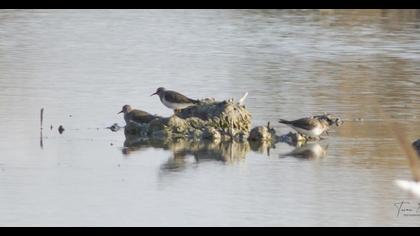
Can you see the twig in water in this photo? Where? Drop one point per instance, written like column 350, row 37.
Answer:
column 42, row 116
column 41, row 143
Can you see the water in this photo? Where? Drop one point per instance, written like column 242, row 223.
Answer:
column 81, row 66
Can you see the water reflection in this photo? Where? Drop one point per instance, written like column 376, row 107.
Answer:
column 308, row 151
column 181, row 149
column 224, row 152
column 262, row 147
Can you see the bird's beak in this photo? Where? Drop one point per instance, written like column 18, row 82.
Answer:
column 153, row 94
column 120, row 112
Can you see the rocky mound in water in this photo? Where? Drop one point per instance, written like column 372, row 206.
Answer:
column 215, row 121
column 210, row 119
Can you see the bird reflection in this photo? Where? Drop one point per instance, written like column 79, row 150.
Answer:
column 262, row 147
column 136, row 145
column 308, row 151
column 186, row 152
column 224, row 152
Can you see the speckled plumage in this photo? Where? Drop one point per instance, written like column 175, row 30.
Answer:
column 309, row 126
column 174, row 100
column 135, row 115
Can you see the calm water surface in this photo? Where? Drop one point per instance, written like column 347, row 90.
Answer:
column 83, row 65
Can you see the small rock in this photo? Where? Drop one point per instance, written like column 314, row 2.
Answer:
column 60, row 129
column 115, row 127
column 125, row 151
column 260, row 133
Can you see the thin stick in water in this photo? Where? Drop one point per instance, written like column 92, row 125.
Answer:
column 40, row 135
column 42, row 116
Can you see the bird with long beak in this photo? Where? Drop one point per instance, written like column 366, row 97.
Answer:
column 310, row 126
column 137, row 116
column 174, row 100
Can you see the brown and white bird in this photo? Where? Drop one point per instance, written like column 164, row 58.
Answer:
column 309, row 126
column 137, row 116
column 174, row 100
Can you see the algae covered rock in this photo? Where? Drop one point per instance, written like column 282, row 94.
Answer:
column 208, row 120
column 211, row 133
column 227, row 117
column 177, row 125
column 260, row 133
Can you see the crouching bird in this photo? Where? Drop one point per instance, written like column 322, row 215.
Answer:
column 137, row 116
column 309, row 126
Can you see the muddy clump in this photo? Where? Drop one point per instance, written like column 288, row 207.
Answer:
column 217, row 121
column 209, row 120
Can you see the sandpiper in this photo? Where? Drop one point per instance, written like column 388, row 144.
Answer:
column 174, row 100
column 310, row 126
column 138, row 116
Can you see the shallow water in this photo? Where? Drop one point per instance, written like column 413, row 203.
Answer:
column 82, row 66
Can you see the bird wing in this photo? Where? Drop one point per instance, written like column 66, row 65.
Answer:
column 305, row 123
column 139, row 115
column 175, row 97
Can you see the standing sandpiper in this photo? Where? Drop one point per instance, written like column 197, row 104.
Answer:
column 174, row 100
column 310, row 126
column 138, row 116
